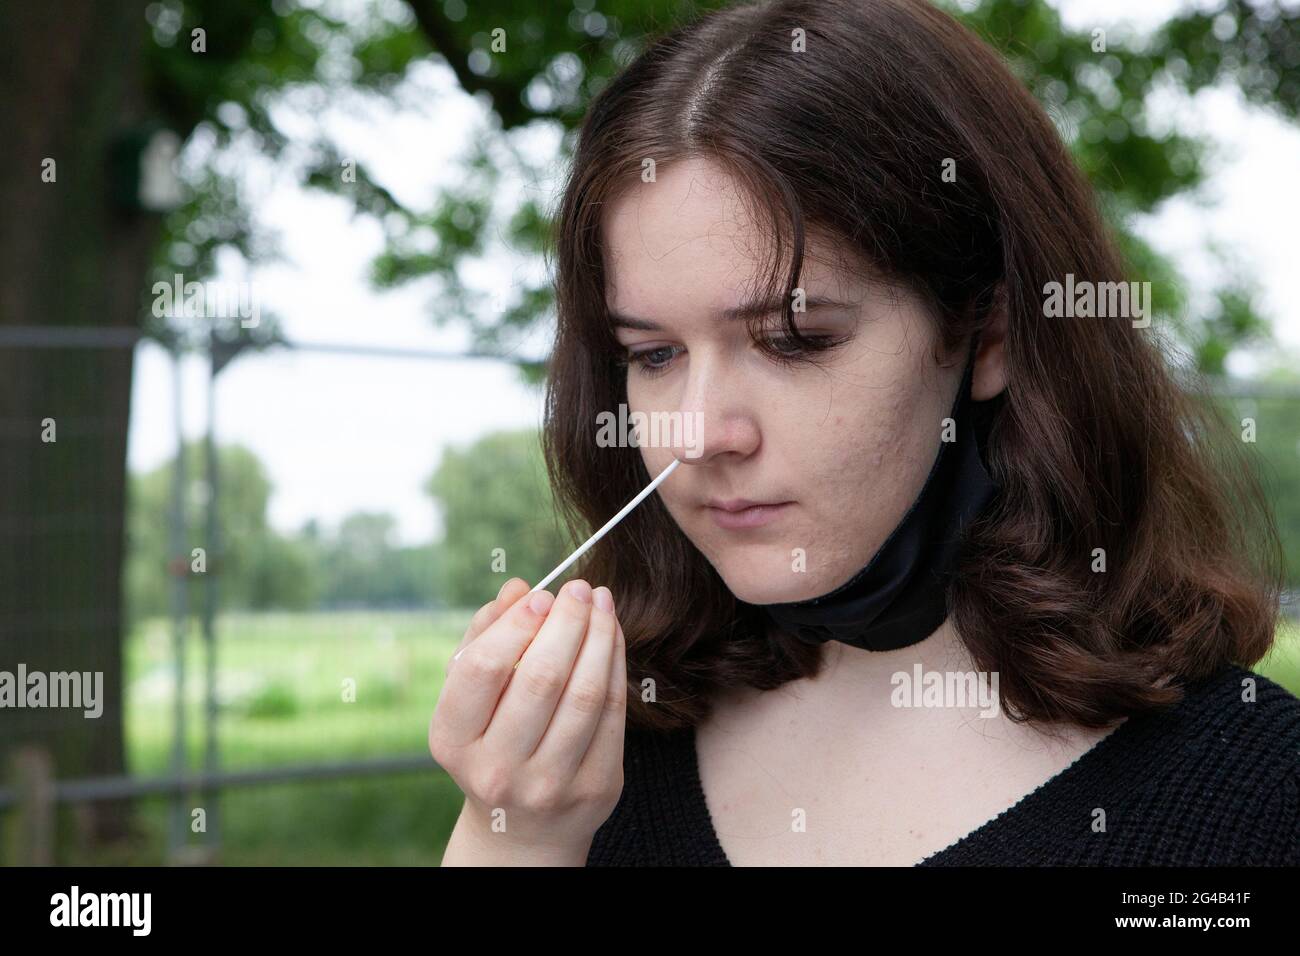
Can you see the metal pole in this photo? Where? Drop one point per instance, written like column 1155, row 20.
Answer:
column 118, row 788
column 210, row 762
column 176, row 832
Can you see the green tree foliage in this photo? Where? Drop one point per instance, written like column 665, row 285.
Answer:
column 494, row 495
column 364, row 566
column 255, row 566
column 361, row 565
column 1272, row 423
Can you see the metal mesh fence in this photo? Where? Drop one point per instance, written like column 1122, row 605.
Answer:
column 220, row 673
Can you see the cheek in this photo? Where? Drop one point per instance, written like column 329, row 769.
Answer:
column 888, row 431
column 870, row 462
column 870, row 441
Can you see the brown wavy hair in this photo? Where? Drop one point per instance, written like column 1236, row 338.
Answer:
column 1094, row 442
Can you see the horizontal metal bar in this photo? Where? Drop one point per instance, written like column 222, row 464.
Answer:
column 117, row 788
column 1249, row 389
column 383, row 351
column 68, row 337
column 74, row 337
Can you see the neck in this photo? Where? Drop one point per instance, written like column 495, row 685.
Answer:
column 851, row 669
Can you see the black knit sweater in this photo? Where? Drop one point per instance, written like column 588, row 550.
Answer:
column 1210, row 781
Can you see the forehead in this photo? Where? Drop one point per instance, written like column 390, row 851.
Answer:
column 689, row 243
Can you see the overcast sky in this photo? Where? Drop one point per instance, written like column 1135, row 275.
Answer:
column 340, row 434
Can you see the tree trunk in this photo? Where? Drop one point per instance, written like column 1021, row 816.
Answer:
column 70, row 255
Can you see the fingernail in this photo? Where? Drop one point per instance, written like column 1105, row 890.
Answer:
column 603, row 599
column 503, row 589
column 540, row 602
column 579, row 590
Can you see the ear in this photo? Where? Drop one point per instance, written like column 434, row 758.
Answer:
column 989, row 377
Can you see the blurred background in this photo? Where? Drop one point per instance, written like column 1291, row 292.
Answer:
column 273, row 319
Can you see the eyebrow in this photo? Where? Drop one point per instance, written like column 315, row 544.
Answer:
column 752, row 310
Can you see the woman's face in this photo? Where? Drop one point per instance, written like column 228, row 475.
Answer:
column 844, row 440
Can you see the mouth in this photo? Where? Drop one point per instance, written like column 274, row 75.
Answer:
column 740, row 513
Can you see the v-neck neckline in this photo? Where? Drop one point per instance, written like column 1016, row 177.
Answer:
column 699, row 806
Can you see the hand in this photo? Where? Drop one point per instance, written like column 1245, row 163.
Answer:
column 537, row 749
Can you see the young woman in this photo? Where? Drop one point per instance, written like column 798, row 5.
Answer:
column 952, row 575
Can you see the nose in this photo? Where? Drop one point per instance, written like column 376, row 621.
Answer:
column 716, row 414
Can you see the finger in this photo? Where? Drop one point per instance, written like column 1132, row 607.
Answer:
column 473, row 688
column 532, row 694
column 604, row 758
column 510, row 592
column 585, row 696
column 481, row 619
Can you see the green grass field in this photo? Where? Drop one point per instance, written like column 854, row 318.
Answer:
column 282, row 701
column 295, row 687
column 298, row 689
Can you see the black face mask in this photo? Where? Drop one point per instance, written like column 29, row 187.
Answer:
column 900, row 597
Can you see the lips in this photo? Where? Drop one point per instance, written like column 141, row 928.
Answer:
column 739, row 504
column 740, row 513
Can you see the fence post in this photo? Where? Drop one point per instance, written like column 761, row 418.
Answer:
column 31, row 825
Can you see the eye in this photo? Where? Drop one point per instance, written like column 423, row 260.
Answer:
column 790, row 351
column 785, row 344
column 646, row 362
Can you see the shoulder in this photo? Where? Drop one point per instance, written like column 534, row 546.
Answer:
column 1211, row 780
column 1219, row 772
column 1242, row 719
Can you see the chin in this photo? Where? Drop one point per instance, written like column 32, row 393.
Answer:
column 768, row 579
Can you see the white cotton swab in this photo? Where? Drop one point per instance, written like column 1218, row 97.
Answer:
column 608, row 524
column 627, row 508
